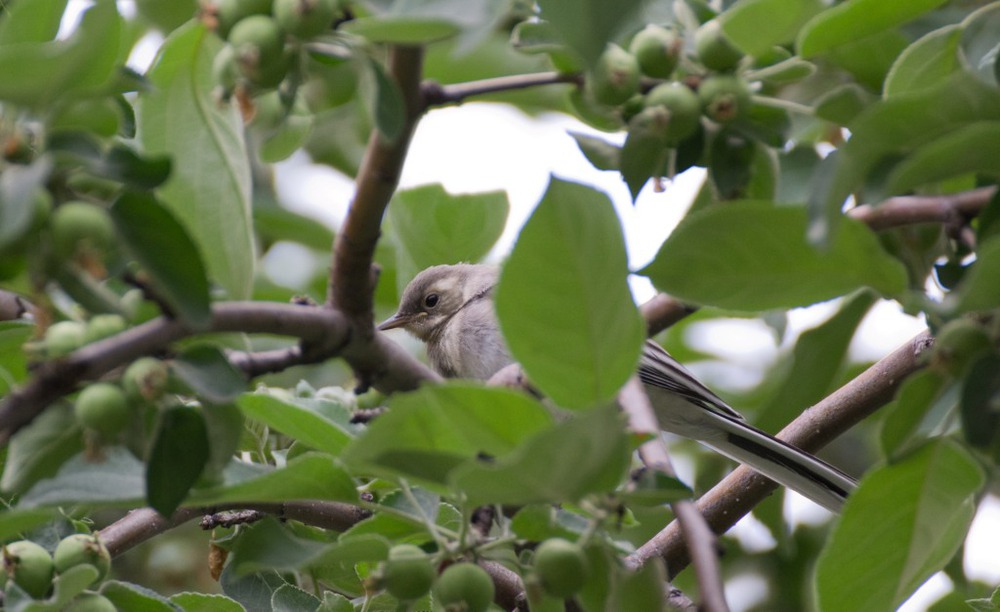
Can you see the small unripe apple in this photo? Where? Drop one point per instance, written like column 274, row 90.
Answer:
column 724, row 98
column 408, row 574
column 259, row 45
column 145, row 379
column 464, row 586
column 29, row 566
column 80, row 230
column 657, row 50
column 64, row 337
column 103, row 326
column 229, row 12
column 714, row 49
column 305, row 18
column 562, row 567
column 615, row 77
column 102, row 407
column 82, row 549
column 90, row 602
column 682, row 104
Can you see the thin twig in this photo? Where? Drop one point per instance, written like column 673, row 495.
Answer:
column 440, row 95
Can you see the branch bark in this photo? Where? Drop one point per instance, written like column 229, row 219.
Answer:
column 912, row 210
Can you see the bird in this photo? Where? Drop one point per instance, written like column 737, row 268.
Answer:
column 450, row 308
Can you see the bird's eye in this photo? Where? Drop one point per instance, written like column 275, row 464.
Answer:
column 431, row 300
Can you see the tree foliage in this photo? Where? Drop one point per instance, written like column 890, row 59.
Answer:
column 852, row 154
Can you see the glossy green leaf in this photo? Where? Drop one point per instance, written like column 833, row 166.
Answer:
column 275, row 224
column 149, row 231
column 319, row 424
column 428, row 433
column 925, row 62
column 225, row 426
column 432, row 227
column 209, row 188
column 757, row 25
column 270, row 545
column 123, row 164
column 644, row 153
column 869, row 59
column 308, row 476
column 538, row 522
column 974, row 148
column 254, row 591
column 908, row 412
column 912, row 516
column 177, row 458
column 40, row 448
column 586, row 454
column 586, row 26
column 205, row 602
column 760, row 259
column 980, row 288
column 38, row 73
column 855, row 19
column 338, row 561
column 815, row 364
column 209, row 374
column 128, row 596
column 31, row 22
column 117, row 480
column 563, row 301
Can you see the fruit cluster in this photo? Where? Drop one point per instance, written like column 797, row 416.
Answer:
column 257, row 31
column 32, row 569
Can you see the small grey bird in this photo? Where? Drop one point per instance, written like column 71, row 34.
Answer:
column 450, row 308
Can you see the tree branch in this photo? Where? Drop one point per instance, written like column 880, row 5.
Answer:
column 743, row 488
column 440, row 95
column 910, row 210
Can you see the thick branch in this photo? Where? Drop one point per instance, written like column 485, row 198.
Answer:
column 351, row 282
column 910, row 210
column 743, row 489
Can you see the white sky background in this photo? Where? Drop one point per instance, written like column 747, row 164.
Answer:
column 482, row 147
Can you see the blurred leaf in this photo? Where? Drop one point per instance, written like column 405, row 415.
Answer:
column 980, row 288
column 539, row 522
column 167, row 16
column 31, row 22
column 980, row 44
column 319, row 424
column 290, row 598
column 641, row 589
column 209, row 374
column 856, row 19
column 760, row 259
column 904, row 416
column 869, row 59
column 254, row 591
column 973, row 148
column 383, row 101
column 432, row 227
column 586, row 454
column 268, row 544
column 275, row 224
column 600, row 153
column 224, row 423
column 118, row 479
column 430, row 20
column 404, row 523
column 123, row 164
column 128, row 596
column 730, row 158
column 842, row 104
column 757, row 25
column 205, row 602
column 177, row 458
column 652, row 488
column 150, row 231
column 563, row 301
column 308, row 476
column 586, row 26
column 428, row 433
column 912, row 516
column 645, row 152
column 925, row 62
column 402, row 30
column 19, row 190
column 15, row 522
column 209, row 188
column 40, row 448
column 37, row 73
column 981, row 402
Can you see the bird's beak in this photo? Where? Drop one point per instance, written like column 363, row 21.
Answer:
column 396, row 320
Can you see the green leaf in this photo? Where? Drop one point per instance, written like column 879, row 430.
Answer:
column 405, row 522
column 974, row 148
column 432, row 227
column 31, row 22
column 118, row 479
column 980, row 390
column 275, row 224
column 19, row 190
column 760, row 259
column 926, row 62
column 563, row 301
column 586, row 454
column 909, row 410
column 308, row 476
column 842, row 104
column 337, row 564
column 268, row 544
column 980, row 287
column 383, row 101
column 205, row 602
column 150, row 230
column 209, row 374
column 856, row 19
column 427, row 434
column 179, row 454
column 539, row 522
column 402, row 30
column 980, row 44
column 37, row 73
column 209, row 188
column 731, row 156
column 644, row 153
column 319, row 424
column 40, row 448
column 912, row 516
column 290, row 598
column 254, row 591
column 586, row 26
column 757, row 25
column 14, row 522
column 600, row 153
column 128, row 596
